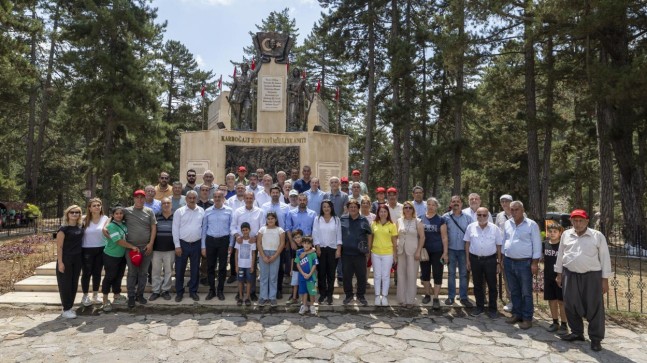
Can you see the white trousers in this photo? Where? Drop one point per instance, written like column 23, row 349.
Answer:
column 381, row 273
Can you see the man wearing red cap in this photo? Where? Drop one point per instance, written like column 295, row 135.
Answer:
column 583, row 268
column 395, row 208
column 357, row 177
column 242, row 172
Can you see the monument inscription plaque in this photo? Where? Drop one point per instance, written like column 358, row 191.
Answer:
column 272, row 94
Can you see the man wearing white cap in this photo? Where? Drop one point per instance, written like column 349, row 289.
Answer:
column 583, row 268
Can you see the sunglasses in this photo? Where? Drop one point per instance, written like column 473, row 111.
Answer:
column 407, row 208
column 190, row 176
column 74, row 212
column 164, row 177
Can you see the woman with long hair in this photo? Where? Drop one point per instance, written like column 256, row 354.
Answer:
column 270, row 243
column 411, row 239
column 383, row 253
column 69, row 242
column 436, row 246
column 93, row 244
column 326, row 232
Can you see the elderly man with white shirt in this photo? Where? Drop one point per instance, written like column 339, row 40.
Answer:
column 253, row 215
column 474, row 201
column 583, row 268
column 187, row 236
column 483, row 242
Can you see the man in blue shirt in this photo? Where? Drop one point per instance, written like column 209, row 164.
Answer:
column 457, row 222
column 303, row 184
column 522, row 250
column 301, row 218
column 215, row 243
column 315, row 196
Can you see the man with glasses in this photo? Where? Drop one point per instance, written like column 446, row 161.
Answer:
column 483, row 242
column 522, row 250
column 190, row 181
column 163, row 190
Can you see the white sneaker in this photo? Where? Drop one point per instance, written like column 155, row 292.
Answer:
column 95, row 299
column 508, row 308
column 378, row 300
column 121, row 299
column 313, row 310
column 69, row 314
column 86, row 301
column 107, row 307
column 385, row 301
column 303, row 309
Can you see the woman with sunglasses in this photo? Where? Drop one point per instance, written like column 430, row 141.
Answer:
column 69, row 242
column 93, row 244
column 411, row 239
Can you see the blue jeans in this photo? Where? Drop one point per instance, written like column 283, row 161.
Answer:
column 269, row 276
column 457, row 257
column 191, row 252
column 519, row 277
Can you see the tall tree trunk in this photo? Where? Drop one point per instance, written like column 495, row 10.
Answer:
column 169, row 101
column 550, row 121
column 396, row 110
column 424, row 118
column 458, row 107
column 370, row 104
column 108, row 161
column 33, row 96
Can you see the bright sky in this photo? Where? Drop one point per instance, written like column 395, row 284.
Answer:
column 216, row 31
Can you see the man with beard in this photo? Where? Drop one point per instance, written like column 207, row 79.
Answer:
column 190, row 181
column 163, row 190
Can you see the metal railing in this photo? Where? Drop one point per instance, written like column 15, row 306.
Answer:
column 49, row 221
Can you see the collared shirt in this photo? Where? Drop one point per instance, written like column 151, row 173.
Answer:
column 581, row 254
column 216, row 223
column 262, row 197
column 205, row 205
column 523, row 240
column 155, row 205
column 395, row 212
column 187, row 188
column 501, row 217
column 187, row 224
column 420, row 208
column 300, row 219
column 352, row 231
column 281, row 210
column 159, row 193
column 235, row 203
column 177, row 203
column 338, row 200
column 301, row 185
column 230, row 193
column 483, row 241
column 454, row 233
column 256, row 190
column 327, row 234
column 315, row 199
column 212, row 190
column 472, row 214
column 255, row 217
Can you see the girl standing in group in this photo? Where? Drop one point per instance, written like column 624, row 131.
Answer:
column 411, row 239
column 93, row 244
column 271, row 240
column 69, row 242
column 383, row 252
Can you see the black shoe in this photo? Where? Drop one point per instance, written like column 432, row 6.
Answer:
column 237, row 297
column 239, row 302
column 279, row 295
column 426, row 299
column 321, row 299
column 194, row 296
column 210, row 295
column 340, row 281
column 477, row 312
column 247, row 302
column 154, row 296
column 221, row 296
column 141, row 299
column 131, row 302
column 436, row 304
column 596, row 345
column 231, row 279
column 552, row 328
column 493, row 314
column 362, row 300
column 572, row 337
column 166, row 295
column 329, row 300
column 254, row 297
column 347, row 300
column 466, row 303
column 449, row 301
column 179, row 297
column 204, row 281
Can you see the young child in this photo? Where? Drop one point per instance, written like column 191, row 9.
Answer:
column 245, row 262
column 307, row 259
column 552, row 292
column 296, row 236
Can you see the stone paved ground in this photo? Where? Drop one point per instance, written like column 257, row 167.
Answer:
column 171, row 336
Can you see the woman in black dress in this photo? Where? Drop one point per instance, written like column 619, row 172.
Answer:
column 69, row 242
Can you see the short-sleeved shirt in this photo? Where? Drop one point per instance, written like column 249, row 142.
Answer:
column 160, row 194
column 73, row 241
column 271, row 237
column 382, row 233
column 352, row 232
column 301, row 185
column 155, row 205
column 93, row 234
column 245, row 253
column 433, row 239
column 550, row 258
column 483, row 241
column 164, row 236
column 117, row 232
column 306, row 263
column 139, row 223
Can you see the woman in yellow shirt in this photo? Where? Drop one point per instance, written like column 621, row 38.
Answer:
column 383, row 252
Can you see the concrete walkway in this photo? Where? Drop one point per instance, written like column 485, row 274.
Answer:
column 187, row 334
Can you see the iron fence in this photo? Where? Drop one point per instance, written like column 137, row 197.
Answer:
column 48, row 221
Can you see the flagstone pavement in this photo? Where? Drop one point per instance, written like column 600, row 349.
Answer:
column 190, row 335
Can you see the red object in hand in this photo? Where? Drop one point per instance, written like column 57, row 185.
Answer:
column 135, row 257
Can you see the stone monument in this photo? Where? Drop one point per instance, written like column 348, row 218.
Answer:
column 283, row 135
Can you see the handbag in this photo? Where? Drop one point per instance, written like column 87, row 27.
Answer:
column 424, row 255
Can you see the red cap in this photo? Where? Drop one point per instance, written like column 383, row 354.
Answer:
column 579, row 213
column 355, row 172
column 135, row 257
column 380, row 190
column 242, row 168
column 344, row 179
column 391, row 190
column 139, row 192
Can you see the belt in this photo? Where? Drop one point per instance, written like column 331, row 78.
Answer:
column 181, row 240
column 519, row 259
column 482, row 257
column 217, row 237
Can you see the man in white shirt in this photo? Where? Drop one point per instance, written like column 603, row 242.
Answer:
column 475, row 202
column 263, row 196
column 483, row 242
column 253, row 183
column 253, row 215
column 395, row 208
column 187, row 235
column 583, row 268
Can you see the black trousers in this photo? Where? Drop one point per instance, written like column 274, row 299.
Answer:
column 68, row 281
column 286, row 262
column 92, row 266
column 326, row 271
column 354, row 266
column 217, row 249
column 115, row 268
column 583, row 299
column 484, row 272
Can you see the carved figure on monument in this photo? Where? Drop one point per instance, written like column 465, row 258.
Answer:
column 273, row 45
column 240, row 98
column 297, row 94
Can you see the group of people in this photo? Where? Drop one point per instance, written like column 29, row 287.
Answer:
column 289, row 227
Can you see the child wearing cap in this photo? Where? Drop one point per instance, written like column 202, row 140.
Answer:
column 297, row 236
column 552, row 292
column 245, row 262
column 307, row 265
